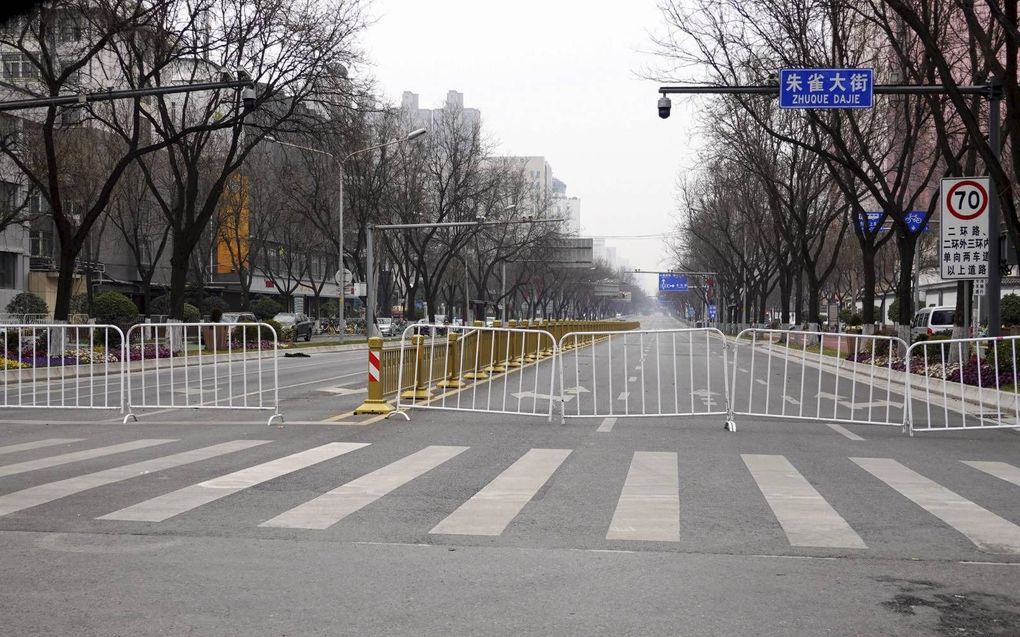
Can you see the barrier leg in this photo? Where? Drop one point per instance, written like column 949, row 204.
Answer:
column 375, row 403
column 474, row 358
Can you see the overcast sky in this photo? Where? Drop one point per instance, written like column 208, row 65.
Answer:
column 557, row 78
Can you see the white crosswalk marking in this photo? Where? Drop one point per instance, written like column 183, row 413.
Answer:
column 329, row 508
column 25, row 446
column 984, row 528
column 43, row 493
column 166, row 506
column 806, row 518
column 491, row 510
column 1001, row 470
column 87, row 454
column 649, row 505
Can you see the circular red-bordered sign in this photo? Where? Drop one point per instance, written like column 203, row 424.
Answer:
column 960, row 184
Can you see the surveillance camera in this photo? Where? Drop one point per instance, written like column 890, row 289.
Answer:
column 248, row 98
column 664, row 106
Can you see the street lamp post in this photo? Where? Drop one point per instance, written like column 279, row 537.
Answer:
column 342, row 272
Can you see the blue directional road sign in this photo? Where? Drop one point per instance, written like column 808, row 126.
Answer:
column 690, row 313
column 672, row 282
column 711, row 312
column 914, row 220
column 826, row 88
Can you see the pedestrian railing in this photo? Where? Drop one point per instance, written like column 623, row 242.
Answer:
column 505, row 370
column 843, row 378
column 61, row 366
column 963, row 384
column 628, row 373
column 203, row 365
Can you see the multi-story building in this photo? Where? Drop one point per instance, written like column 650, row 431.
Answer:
column 566, row 207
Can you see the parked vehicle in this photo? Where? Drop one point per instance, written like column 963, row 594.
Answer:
column 385, row 325
column 238, row 317
column 930, row 321
column 300, row 323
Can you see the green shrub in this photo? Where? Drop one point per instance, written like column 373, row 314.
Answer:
column 114, row 308
column 286, row 334
column 80, row 304
column 1008, row 352
column 265, row 308
column 1009, row 308
column 191, row 314
column 215, row 315
column 844, row 315
column 214, row 303
column 28, row 303
column 855, row 319
column 159, row 304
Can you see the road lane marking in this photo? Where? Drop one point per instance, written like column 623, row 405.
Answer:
column 43, row 493
column 623, row 395
column 329, row 508
column 607, row 425
column 649, row 505
column 87, row 454
column 631, row 379
column 492, row 509
column 806, row 518
column 840, row 429
column 743, row 370
column 985, row 529
column 167, row 506
column 761, row 381
column 1001, row 470
column 25, row 446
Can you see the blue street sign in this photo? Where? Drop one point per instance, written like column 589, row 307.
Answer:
column 711, row 312
column 914, row 219
column 690, row 313
column 826, row 88
column 672, row 282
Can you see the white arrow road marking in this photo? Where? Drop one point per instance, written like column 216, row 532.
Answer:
column 530, row 394
column 343, row 391
column 631, row 379
column 761, row 382
column 843, row 401
column 623, row 395
column 791, row 400
column 576, row 390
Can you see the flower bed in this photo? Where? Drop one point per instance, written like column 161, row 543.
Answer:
column 973, row 372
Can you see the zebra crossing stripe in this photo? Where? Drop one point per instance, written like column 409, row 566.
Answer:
column 87, row 454
column 166, row 506
column 985, row 529
column 1001, row 470
column 492, row 509
column 38, row 444
column 806, row 518
column 43, row 493
column 329, row 508
column 649, row 505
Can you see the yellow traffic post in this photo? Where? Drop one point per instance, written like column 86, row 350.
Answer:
column 474, row 358
column 499, row 349
column 375, row 403
column 452, row 379
column 514, row 358
column 420, row 390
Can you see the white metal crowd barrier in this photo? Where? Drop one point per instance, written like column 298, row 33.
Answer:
column 947, row 401
column 62, row 366
column 237, row 369
column 645, row 373
column 476, row 369
column 845, row 378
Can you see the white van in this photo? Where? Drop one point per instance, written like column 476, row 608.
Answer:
column 933, row 320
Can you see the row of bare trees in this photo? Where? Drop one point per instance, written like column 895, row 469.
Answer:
column 779, row 192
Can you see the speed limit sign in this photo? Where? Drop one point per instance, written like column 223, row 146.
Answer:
column 964, row 240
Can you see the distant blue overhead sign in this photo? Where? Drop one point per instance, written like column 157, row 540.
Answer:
column 914, row 220
column 826, row 88
column 672, row 282
column 711, row 312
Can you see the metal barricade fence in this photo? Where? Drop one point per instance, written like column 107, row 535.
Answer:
column 477, row 369
column 61, row 365
column 836, row 377
column 680, row 372
column 963, row 384
column 237, row 369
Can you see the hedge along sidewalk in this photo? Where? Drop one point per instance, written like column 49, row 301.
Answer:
column 938, row 391
column 101, row 369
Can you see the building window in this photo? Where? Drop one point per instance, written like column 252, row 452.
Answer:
column 8, row 269
column 17, row 66
column 10, row 130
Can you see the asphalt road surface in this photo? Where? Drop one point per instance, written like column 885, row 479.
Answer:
column 209, row 522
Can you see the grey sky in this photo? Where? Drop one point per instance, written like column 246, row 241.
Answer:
column 555, row 78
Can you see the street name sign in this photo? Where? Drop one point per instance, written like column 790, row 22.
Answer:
column 672, row 282
column 963, row 252
column 826, row 88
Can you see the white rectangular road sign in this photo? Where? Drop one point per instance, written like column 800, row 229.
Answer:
column 963, row 252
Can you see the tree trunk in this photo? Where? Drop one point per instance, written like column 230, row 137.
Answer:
column 65, row 282
column 868, row 298
column 905, row 245
column 178, row 279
